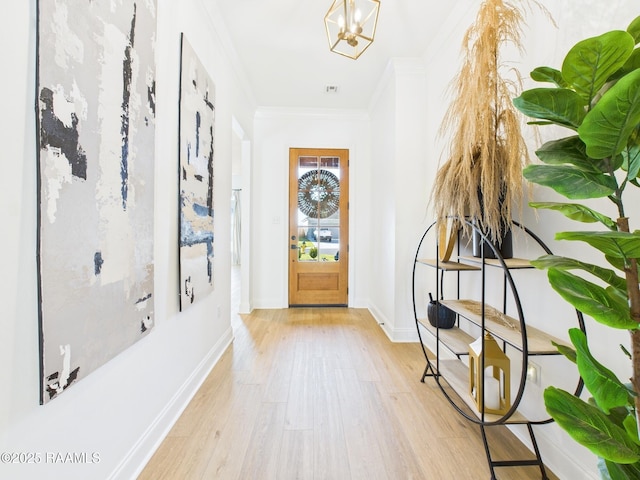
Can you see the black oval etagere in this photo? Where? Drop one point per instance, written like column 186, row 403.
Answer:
column 512, row 332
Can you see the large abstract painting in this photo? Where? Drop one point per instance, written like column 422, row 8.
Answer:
column 197, row 118
column 96, row 130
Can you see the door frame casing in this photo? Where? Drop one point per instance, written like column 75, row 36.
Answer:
column 341, row 268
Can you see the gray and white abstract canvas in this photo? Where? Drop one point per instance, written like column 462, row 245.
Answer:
column 96, row 130
column 197, row 119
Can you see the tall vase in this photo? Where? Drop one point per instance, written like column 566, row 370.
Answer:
column 504, row 244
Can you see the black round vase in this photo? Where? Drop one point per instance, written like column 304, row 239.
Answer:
column 440, row 316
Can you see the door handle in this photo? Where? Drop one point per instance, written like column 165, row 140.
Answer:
column 294, row 247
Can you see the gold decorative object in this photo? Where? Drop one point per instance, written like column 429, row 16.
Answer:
column 351, row 26
column 447, row 235
column 494, row 382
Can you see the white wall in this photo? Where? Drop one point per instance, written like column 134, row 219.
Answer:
column 121, row 410
column 383, row 203
column 275, row 131
column 411, row 187
column 400, row 192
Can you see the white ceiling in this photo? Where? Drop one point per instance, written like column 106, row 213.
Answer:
column 282, row 48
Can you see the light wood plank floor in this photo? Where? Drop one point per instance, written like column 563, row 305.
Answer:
column 319, row 393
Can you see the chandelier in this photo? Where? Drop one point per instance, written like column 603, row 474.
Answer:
column 351, row 26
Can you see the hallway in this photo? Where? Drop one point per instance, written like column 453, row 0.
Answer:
column 323, row 394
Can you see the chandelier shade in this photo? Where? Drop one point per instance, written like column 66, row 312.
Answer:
column 351, row 26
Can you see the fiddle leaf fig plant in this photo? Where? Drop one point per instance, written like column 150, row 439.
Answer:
column 596, row 97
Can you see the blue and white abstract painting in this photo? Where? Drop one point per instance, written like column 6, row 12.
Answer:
column 96, row 136
column 197, row 121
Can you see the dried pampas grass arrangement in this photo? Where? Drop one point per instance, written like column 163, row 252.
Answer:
column 487, row 151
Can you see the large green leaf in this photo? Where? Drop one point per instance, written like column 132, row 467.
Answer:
column 615, row 162
column 616, row 471
column 621, row 415
column 602, row 383
column 621, row 297
column 631, row 426
column 540, row 122
column 630, row 65
column 602, row 305
column 571, row 182
column 615, row 244
column 591, row 62
column 631, row 162
column 548, row 74
column 568, row 352
column 577, row 212
column 607, row 127
column 590, row 427
column 558, row 105
column 565, row 263
column 618, row 263
column 634, row 29
column 569, row 150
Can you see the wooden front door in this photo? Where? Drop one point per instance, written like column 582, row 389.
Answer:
column 318, row 226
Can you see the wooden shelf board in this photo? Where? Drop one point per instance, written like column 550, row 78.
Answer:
column 454, row 339
column 505, row 327
column 511, row 263
column 456, row 375
column 453, row 266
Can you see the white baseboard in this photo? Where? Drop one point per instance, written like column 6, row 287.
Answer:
column 396, row 335
column 268, row 304
column 137, row 458
column 555, row 456
column 359, row 303
column 381, row 319
column 245, row 308
column 405, row 335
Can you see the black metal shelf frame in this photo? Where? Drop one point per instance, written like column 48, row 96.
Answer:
column 432, row 368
